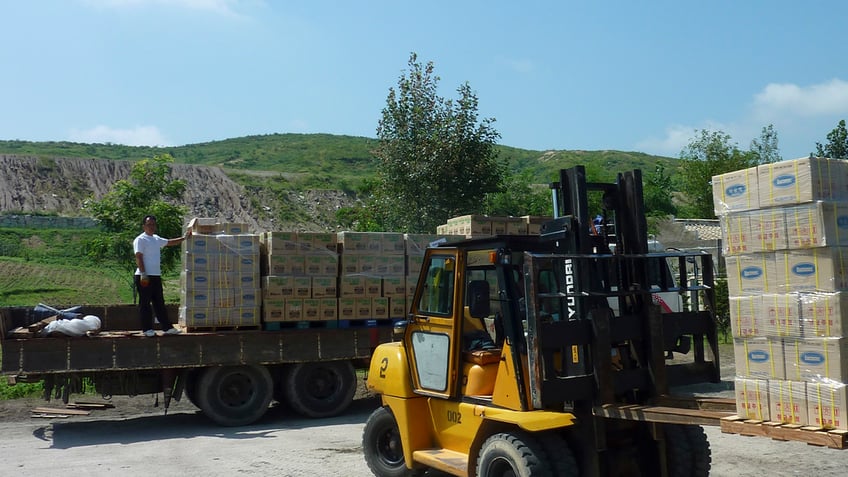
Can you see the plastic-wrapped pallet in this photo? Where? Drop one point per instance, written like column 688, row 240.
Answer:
column 785, row 243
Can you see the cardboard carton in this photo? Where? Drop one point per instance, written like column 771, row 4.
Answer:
column 817, row 269
column 759, row 358
column 828, row 404
column 781, row 315
column 747, row 319
column 788, row 402
column 815, row 359
column 797, row 181
column 752, row 398
column 749, row 274
column 736, row 191
column 736, row 234
column 818, row 224
column 821, row 314
column 768, row 230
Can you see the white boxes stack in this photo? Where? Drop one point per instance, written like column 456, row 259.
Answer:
column 785, row 241
column 220, row 284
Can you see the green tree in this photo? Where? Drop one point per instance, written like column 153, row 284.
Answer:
column 837, row 143
column 708, row 155
column 150, row 189
column 658, row 193
column 436, row 159
column 765, row 147
column 519, row 196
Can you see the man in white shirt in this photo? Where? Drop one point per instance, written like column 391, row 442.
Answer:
column 148, row 277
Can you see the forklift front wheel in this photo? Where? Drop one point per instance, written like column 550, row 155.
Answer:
column 511, row 454
column 382, row 446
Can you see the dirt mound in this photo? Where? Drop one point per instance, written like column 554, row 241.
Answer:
column 30, row 184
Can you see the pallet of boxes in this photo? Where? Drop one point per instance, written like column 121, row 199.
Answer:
column 785, row 242
column 220, row 288
column 299, row 279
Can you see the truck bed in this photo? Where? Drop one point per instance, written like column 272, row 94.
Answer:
column 120, row 346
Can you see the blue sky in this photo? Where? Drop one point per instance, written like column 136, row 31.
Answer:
column 590, row 75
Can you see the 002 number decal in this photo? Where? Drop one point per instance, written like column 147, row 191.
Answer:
column 384, row 365
column 455, row 417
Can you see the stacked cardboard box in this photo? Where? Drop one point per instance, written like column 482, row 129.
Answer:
column 299, row 276
column 220, row 281
column 482, row 225
column 785, row 241
column 371, row 282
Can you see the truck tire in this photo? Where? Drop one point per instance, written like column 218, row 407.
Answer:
column 321, row 389
column 190, row 388
column 235, row 395
column 513, row 454
column 382, row 446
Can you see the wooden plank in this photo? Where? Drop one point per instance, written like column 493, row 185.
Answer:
column 53, row 410
column 835, row 439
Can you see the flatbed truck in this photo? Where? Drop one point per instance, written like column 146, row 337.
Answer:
column 232, row 376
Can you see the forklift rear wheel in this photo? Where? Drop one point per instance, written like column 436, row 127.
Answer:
column 320, row 389
column 512, row 455
column 382, row 446
column 235, row 395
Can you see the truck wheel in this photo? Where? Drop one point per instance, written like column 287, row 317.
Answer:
column 190, row 387
column 700, row 447
column 235, row 395
column 321, row 389
column 382, row 446
column 562, row 461
column 512, row 455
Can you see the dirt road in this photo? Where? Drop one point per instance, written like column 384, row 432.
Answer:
column 137, row 440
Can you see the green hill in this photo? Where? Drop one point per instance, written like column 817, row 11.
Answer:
column 325, row 160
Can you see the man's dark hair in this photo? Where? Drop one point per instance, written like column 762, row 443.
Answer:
column 148, row 217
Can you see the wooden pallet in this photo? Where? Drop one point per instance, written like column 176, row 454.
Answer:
column 222, row 328
column 835, row 439
column 287, row 325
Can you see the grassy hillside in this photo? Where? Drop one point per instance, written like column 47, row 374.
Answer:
column 56, row 270
column 50, row 266
column 323, row 160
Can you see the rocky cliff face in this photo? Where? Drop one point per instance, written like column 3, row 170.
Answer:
column 31, row 184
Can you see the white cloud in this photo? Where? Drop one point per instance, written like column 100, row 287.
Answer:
column 826, row 98
column 221, row 7
column 138, row 136
column 801, row 115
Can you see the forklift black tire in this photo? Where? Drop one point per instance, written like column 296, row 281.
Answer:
column 512, row 454
column 235, row 395
column 678, row 451
column 562, row 461
column 700, row 447
column 382, row 446
column 320, row 389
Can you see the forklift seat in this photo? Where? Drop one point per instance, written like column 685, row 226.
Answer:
column 482, row 357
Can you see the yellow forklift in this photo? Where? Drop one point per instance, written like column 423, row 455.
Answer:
column 546, row 355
